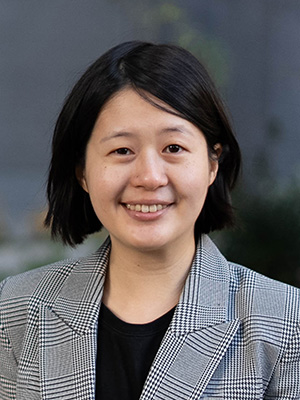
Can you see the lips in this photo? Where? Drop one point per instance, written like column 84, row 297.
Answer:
column 146, row 208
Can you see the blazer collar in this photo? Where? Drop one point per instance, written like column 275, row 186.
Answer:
column 199, row 330
column 203, row 302
column 79, row 299
column 204, row 299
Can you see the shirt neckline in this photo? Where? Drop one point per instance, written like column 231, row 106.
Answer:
column 109, row 320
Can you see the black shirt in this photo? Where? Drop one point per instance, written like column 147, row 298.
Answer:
column 125, row 354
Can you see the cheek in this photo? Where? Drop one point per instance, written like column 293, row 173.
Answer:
column 196, row 176
column 105, row 187
column 196, row 188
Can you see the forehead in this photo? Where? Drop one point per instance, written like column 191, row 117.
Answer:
column 129, row 97
column 131, row 109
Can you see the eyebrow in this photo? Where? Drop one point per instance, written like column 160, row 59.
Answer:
column 168, row 129
column 115, row 135
column 177, row 128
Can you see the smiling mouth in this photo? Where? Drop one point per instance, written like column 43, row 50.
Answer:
column 145, row 208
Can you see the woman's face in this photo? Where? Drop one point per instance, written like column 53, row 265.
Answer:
column 147, row 173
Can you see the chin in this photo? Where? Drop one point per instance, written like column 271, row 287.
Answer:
column 154, row 242
column 147, row 246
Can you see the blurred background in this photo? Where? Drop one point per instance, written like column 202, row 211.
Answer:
column 252, row 50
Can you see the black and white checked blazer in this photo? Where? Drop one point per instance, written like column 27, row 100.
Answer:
column 235, row 334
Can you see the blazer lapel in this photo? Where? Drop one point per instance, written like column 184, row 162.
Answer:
column 195, row 343
column 184, row 365
column 68, row 332
column 199, row 334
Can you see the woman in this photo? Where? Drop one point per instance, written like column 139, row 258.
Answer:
column 143, row 147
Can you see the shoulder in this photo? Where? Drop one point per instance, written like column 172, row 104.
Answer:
column 245, row 280
column 22, row 296
column 269, row 312
column 264, row 304
column 24, row 285
column 42, row 282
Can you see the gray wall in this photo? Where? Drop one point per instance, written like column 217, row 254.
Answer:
column 45, row 45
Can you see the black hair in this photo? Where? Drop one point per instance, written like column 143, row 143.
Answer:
column 167, row 72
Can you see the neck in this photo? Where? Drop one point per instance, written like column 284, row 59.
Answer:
column 143, row 285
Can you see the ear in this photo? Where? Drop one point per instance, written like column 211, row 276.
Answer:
column 80, row 175
column 214, row 162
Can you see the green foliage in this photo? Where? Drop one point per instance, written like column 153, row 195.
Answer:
column 165, row 13
column 20, row 256
column 268, row 236
column 166, row 21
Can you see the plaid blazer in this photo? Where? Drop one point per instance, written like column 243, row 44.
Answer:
column 235, row 334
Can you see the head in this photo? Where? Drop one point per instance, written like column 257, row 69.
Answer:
column 164, row 72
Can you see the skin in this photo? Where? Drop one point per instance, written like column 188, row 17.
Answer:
column 140, row 155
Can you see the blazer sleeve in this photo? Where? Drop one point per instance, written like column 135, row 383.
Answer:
column 8, row 362
column 285, row 382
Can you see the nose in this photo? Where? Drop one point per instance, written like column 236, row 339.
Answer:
column 149, row 171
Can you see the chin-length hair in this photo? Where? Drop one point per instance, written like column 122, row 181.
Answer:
column 170, row 74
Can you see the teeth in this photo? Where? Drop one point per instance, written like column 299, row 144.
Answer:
column 144, row 208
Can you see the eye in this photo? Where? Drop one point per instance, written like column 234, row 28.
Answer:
column 123, row 151
column 173, row 148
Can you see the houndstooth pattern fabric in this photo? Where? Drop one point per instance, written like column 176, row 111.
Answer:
column 235, row 334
